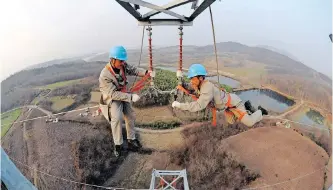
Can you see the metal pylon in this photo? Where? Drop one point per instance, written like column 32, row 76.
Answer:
column 162, row 173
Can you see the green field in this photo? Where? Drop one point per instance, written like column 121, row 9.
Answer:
column 61, row 102
column 7, row 118
column 58, row 84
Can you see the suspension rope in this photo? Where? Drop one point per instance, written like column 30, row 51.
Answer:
column 142, row 38
column 217, row 63
column 150, row 51
column 180, row 66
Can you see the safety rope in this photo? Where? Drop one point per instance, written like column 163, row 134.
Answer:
column 217, row 63
column 140, row 84
column 142, row 38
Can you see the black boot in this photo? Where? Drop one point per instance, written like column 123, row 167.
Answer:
column 134, row 145
column 263, row 111
column 117, row 150
column 249, row 107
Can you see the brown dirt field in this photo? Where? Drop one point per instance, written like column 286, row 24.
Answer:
column 148, row 115
column 280, row 154
column 161, row 141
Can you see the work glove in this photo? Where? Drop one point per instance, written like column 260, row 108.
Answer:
column 135, row 97
column 179, row 73
column 175, row 104
column 151, row 74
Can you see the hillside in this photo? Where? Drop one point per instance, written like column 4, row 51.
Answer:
column 255, row 65
column 273, row 60
column 280, row 51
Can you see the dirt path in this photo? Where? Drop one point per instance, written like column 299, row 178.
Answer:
column 17, row 148
column 296, row 107
column 328, row 181
column 280, row 154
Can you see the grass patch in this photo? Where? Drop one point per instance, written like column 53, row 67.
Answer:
column 61, row 102
column 35, row 101
column 226, row 87
column 59, row 84
column 167, row 80
column 7, row 118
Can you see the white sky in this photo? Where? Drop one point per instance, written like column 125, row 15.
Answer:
column 35, row 31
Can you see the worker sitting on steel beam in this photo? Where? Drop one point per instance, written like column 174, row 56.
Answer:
column 116, row 101
column 232, row 105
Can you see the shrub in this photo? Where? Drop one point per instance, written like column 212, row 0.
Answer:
column 160, row 125
column 208, row 163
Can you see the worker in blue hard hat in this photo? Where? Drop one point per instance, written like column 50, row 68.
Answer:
column 116, row 101
column 234, row 108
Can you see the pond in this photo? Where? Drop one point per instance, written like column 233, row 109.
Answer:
column 225, row 80
column 268, row 99
column 311, row 117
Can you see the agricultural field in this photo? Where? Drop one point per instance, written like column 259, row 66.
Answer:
column 7, row 118
column 61, row 102
column 59, row 84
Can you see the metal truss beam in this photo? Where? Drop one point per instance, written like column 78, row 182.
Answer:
column 164, row 22
column 130, row 9
column 200, row 9
column 168, row 6
column 155, row 7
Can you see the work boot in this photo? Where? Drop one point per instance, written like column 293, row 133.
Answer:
column 263, row 111
column 249, row 107
column 134, row 145
column 117, row 150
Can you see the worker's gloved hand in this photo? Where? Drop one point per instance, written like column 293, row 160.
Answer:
column 175, row 104
column 179, row 73
column 135, row 97
column 151, row 74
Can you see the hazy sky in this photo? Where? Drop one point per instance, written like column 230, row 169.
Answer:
column 35, row 31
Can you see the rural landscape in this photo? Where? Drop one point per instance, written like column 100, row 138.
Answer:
column 289, row 149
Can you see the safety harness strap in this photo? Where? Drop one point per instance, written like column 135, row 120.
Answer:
column 194, row 97
column 137, row 87
column 140, row 84
column 122, row 88
column 238, row 113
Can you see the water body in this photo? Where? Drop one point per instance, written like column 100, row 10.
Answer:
column 225, row 80
column 268, row 99
column 311, row 117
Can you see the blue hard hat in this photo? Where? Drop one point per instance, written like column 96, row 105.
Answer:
column 118, row 52
column 196, row 70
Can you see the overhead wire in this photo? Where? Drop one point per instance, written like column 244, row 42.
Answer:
column 64, row 179
column 213, row 30
column 117, row 188
column 141, row 49
column 286, row 181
